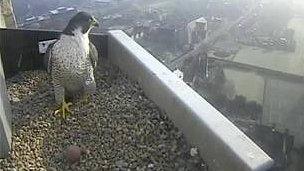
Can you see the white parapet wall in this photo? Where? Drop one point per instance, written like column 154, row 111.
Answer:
column 6, row 20
column 5, row 118
column 222, row 145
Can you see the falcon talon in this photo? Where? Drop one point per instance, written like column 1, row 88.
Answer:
column 64, row 109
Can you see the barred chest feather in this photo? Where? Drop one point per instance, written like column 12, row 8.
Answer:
column 83, row 39
column 70, row 54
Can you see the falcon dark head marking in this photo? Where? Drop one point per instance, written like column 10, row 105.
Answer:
column 82, row 20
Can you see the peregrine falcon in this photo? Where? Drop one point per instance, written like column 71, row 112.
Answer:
column 71, row 61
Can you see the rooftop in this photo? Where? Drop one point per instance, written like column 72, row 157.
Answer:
column 216, row 138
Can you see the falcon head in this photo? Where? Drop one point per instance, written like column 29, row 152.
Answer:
column 83, row 21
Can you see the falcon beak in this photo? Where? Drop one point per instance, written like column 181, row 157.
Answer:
column 95, row 23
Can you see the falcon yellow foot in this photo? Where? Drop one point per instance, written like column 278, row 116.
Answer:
column 64, row 109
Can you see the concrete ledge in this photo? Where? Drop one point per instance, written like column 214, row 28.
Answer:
column 5, row 118
column 222, row 145
column 7, row 19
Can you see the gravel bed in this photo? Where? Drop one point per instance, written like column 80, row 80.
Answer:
column 118, row 129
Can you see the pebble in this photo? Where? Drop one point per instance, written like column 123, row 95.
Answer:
column 51, row 169
column 193, row 152
column 150, row 165
column 119, row 128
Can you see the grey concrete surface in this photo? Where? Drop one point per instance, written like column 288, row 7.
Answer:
column 5, row 118
column 222, row 145
column 6, row 20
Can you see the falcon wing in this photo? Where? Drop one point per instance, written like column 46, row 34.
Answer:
column 47, row 57
column 93, row 54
